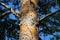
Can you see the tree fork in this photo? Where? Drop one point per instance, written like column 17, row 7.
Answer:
column 29, row 19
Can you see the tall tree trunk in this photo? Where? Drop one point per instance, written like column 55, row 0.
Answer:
column 29, row 19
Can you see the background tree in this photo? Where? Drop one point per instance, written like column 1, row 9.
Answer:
column 48, row 11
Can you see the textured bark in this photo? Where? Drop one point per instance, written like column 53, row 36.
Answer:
column 29, row 19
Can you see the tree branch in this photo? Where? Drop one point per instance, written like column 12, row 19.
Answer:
column 8, row 12
column 49, row 15
column 10, row 9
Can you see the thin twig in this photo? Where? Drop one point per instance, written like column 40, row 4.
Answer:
column 49, row 15
column 5, row 13
column 10, row 9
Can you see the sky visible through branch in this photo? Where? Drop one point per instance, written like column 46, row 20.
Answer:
column 42, row 36
column 11, row 16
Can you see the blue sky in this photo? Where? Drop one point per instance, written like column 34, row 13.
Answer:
column 53, row 9
column 11, row 16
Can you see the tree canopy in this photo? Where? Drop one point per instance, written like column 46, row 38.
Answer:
column 49, row 14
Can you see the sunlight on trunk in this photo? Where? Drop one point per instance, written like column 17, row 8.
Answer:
column 28, row 29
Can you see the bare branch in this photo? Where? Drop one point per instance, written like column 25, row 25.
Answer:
column 8, row 12
column 10, row 9
column 49, row 15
